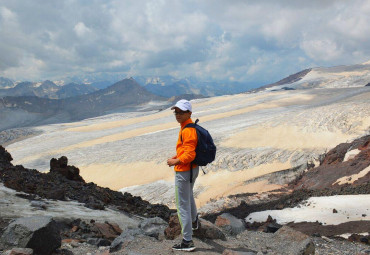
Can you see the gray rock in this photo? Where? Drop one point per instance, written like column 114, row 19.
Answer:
column 98, row 242
column 153, row 227
column 39, row 233
column 39, row 204
column 230, row 224
column 125, row 238
column 289, row 241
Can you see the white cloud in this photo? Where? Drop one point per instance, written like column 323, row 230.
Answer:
column 81, row 30
column 322, row 49
column 247, row 40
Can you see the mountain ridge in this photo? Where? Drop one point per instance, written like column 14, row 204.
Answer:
column 121, row 96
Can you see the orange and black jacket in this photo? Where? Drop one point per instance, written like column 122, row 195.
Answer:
column 185, row 149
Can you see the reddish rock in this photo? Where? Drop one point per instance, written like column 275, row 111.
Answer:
column 115, row 227
column 230, row 224
column 74, row 229
column 174, row 229
column 106, row 230
column 221, row 221
column 71, row 241
column 359, row 238
column 208, row 231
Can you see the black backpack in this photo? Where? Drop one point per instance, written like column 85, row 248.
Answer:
column 206, row 149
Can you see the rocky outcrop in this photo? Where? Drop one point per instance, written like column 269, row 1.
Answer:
column 64, row 182
column 5, row 158
column 61, row 166
column 335, row 172
column 38, row 233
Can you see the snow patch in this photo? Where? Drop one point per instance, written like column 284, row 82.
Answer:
column 352, row 178
column 351, row 154
column 349, row 208
column 110, row 93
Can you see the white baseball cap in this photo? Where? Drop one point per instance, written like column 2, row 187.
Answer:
column 183, row 105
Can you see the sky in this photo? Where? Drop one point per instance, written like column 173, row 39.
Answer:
column 212, row 40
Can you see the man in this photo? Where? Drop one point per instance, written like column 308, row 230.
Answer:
column 185, row 154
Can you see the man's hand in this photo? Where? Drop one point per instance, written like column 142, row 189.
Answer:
column 173, row 161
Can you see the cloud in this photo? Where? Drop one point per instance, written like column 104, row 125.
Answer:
column 249, row 41
column 81, row 30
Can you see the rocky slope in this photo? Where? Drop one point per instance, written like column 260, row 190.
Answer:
column 63, row 182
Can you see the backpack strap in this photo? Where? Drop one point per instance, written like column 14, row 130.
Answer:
column 191, row 164
column 189, row 125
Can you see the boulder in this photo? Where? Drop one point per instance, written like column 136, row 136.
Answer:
column 106, row 230
column 125, row 238
column 292, row 242
column 230, row 224
column 208, row 231
column 39, row 233
column 153, row 227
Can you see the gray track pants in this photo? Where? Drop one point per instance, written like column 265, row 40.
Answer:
column 186, row 208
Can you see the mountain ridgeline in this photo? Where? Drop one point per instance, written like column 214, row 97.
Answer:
column 31, row 110
column 46, row 89
column 29, row 103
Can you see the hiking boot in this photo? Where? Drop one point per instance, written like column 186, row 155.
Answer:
column 195, row 224
column 184, row 246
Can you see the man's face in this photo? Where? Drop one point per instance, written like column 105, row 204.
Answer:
column 181, row 116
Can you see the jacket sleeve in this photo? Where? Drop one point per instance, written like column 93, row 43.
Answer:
column 189, row 144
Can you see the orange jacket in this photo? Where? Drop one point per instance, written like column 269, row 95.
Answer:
column 185, row 150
